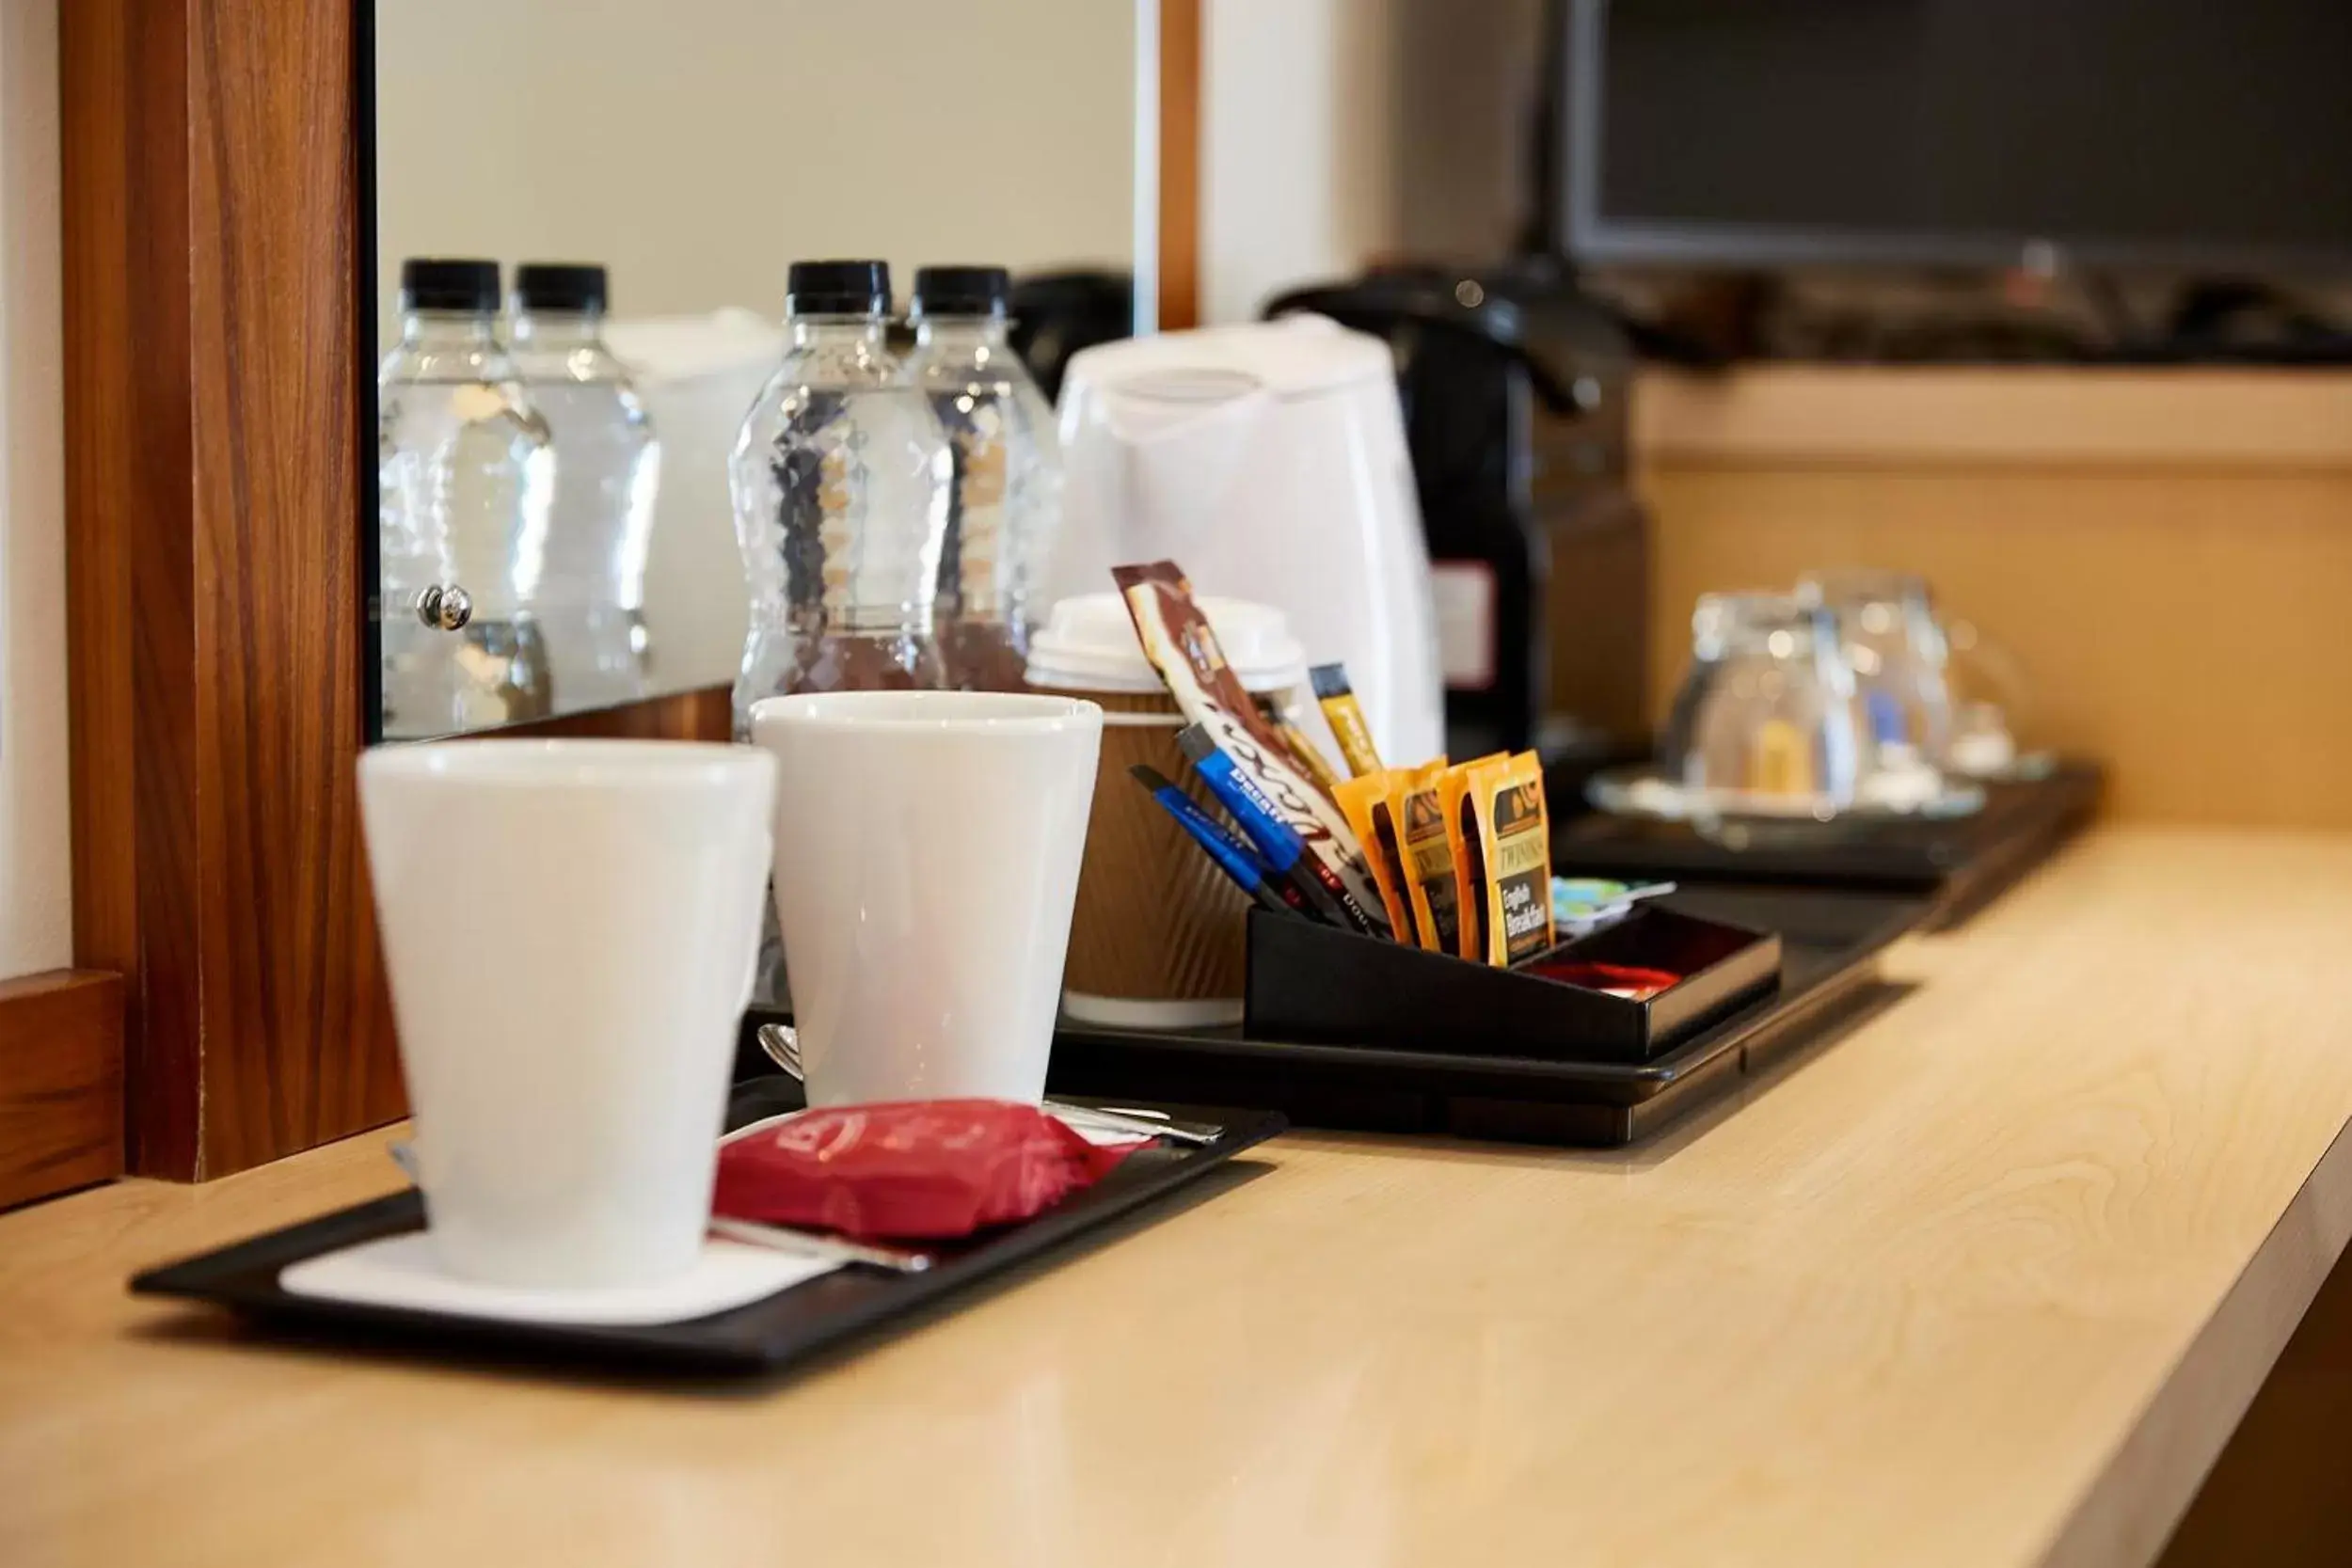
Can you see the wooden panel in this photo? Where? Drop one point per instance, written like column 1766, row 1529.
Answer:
column 2280, row 1496
column 2184, row 623
column 1983, row 1284
column 1180, row 164
column 130, row 546
column 276, row 393
column 706, row 713
column 60, row 1082
column 1877, row 414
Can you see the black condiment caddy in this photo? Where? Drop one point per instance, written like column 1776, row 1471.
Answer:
column 1317, row 983
column 1349, row 1031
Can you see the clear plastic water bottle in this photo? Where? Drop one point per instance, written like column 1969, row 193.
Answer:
column 608, row 467
column 840, row 478
column 1006, row 501
column 466, row 473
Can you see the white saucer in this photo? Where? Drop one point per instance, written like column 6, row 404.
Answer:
column 403, row 1271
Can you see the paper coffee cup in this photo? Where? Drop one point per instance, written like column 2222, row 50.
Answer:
column 1158, row 939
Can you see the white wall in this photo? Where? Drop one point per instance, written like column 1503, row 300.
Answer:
column 1299, row 154
column 35, row 874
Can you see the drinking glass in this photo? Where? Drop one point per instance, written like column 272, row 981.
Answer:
column 1898, row 650
column 1767, row 721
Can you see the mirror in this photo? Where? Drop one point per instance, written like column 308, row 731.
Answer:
column 553, row 527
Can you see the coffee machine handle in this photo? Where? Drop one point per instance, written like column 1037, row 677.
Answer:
column 1494, row 321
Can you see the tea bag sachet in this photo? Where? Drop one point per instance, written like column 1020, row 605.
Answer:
column 1366, row 800
column 1504, row 809
column 1428, row 856
column 1468, row 855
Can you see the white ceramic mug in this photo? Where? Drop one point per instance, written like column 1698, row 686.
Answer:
column 570, row 927
column 927, row 859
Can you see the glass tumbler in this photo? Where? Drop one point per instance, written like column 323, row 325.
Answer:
column 1897, row 649
column 1767, row 719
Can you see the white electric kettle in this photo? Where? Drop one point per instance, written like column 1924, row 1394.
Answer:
column 1269, row 461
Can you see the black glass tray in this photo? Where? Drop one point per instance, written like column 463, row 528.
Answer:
column 762, row 1337
column 1830, row 941
column 1959, row 865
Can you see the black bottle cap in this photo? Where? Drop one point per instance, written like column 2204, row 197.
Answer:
column 837, row 289
column 441, row 283
column 961, row 291
column 560, row 286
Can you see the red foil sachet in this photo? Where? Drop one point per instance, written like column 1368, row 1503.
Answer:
column 1633, row 983
column 915, row 1170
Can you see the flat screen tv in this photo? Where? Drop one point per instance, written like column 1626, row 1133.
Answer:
column 2194, row 135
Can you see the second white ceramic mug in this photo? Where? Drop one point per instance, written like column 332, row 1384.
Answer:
column 927, row 860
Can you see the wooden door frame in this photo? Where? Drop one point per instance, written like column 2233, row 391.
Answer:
column 217, row 305
column 1176, row 62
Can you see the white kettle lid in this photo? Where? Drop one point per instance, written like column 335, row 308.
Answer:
column 1299, row 355
column 1089, row 643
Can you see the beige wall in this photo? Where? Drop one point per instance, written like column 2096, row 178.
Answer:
column 697, row 147
column 36, row 877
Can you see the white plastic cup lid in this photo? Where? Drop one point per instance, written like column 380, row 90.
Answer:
column 1089, row 643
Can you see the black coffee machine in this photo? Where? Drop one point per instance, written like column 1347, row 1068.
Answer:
column 1055, row 314
column 1516, row 390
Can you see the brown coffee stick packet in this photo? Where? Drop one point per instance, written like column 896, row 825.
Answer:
column 1345, row 716
column 1505, row 804
column 1429, row 882
column 1365, row 800
column 1177, row 640
column 1469, row 863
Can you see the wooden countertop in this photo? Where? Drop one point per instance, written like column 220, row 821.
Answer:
column 1988, row 1281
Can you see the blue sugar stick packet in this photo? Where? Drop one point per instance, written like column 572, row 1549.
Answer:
column 1234, row 858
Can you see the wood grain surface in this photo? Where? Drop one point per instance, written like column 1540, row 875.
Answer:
column 1179, row 91
column 294, row 1032
column 1987, row 1281
column 60, row 1082
column 131, row 615
column 214, row 404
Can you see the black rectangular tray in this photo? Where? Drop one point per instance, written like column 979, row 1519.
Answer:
column 763, row 1336
column 1959, row 865
column 1830, row 942
column 1319, row 985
